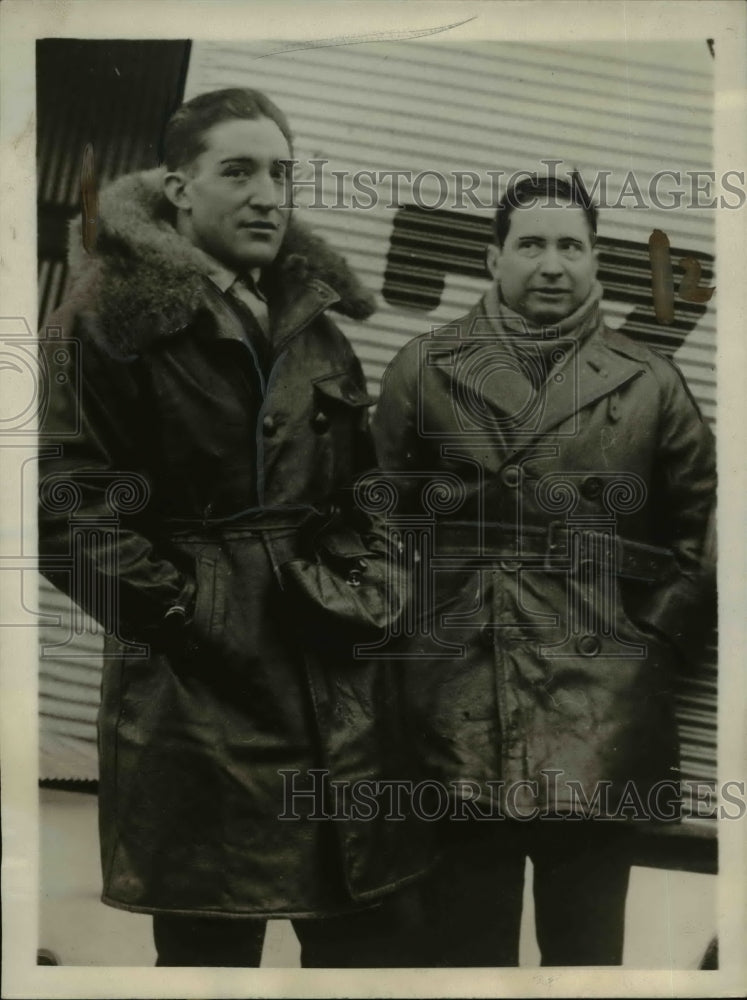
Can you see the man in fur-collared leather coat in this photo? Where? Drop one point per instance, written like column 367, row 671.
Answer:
column 215, row 388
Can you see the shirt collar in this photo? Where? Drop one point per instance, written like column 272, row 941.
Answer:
column 223, row 276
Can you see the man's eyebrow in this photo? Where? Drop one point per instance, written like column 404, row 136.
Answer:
column 276, row 160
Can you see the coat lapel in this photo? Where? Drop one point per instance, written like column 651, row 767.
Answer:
column 309, row 300
column 486, row 389
column 589, row 374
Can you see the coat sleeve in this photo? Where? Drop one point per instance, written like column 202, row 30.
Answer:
column 364, row 452
column 684, row 502
column 95, row 542
column 401, row 450
column 395, row 420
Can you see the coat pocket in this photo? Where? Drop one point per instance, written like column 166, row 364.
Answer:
column 339, row 422
column 631, row 624
column 340, row 388
column 338, row 399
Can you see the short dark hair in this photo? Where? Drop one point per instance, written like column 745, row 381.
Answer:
column 554, row 190
column 184, row 135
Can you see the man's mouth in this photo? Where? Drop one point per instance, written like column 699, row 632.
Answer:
column 551, row 293
column 259, row 226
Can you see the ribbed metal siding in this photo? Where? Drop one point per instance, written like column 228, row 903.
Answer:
column 69, row 684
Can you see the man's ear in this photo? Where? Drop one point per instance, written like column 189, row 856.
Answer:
column 493, row 261
column 175, row 189
column 595, row 259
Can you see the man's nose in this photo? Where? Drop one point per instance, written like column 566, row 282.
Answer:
column 266, row 193
column 551, row 263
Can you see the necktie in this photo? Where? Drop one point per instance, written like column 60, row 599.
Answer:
column 246, row 291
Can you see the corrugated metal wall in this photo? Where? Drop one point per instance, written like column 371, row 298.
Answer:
column 419, row 106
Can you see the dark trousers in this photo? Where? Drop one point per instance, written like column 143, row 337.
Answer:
column 472, row 903
column 385, row 936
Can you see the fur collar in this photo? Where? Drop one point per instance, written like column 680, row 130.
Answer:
column 148, row 280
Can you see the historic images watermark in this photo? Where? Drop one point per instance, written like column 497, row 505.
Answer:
column 314, row 795
column 315, row 185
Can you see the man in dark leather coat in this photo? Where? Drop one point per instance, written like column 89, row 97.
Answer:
column 219, row 412
column 563, row 477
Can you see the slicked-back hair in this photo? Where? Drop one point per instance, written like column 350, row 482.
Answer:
column 184, row 135
column 544, row 191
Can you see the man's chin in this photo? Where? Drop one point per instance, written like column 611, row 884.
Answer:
column 258, row 258
column 259, row 251
column 548, row 317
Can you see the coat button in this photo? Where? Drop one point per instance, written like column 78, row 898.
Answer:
column 591, row 487
column 320, row 423
column 354, row 578
column 511, row 475
column 588, row 645
column 269, row 425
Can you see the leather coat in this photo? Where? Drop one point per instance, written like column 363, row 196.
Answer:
column 180, row 458
column 560, row 524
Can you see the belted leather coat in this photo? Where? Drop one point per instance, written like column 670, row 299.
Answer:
column 559, row 508
column 180, row 454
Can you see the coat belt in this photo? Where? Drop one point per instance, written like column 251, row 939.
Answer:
column 544, row 547
column 254, row 519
